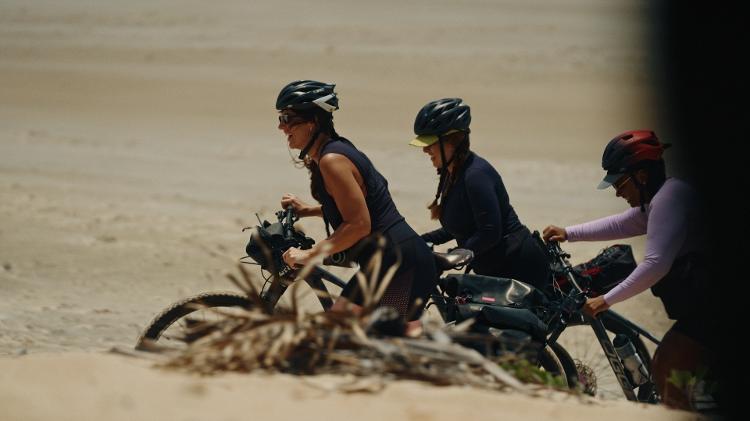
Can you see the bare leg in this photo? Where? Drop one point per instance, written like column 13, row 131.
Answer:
column 676, row 352
column 343, row 305
column 413, row 328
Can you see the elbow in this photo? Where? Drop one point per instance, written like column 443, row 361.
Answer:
column 364, row 229
column 658, row 268
column 360, row 227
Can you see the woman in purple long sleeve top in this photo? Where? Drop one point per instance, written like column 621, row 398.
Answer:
column 667, row 211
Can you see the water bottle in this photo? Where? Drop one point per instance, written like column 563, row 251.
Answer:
column 630, row 358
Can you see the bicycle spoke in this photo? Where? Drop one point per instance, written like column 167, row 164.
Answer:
column 583, row 347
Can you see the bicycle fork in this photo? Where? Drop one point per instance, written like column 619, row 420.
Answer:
column 614, row 360
column 618, row 367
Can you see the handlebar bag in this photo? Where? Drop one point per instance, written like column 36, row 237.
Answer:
column 610, row 267
column 269, row 240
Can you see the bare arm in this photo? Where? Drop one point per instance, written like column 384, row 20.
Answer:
column 340, row 176
column 302, row 208
column 341, row 180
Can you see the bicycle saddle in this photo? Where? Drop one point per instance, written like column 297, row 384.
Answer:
column 454, row 259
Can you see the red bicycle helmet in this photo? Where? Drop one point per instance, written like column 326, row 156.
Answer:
column 626, row 151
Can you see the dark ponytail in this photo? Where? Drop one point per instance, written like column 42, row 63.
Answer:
column 324, row 122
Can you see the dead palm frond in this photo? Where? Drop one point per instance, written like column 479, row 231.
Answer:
column 299, row 342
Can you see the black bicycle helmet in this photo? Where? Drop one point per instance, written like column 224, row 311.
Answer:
column 438, row 118
column 628, row 150
column 307, row 94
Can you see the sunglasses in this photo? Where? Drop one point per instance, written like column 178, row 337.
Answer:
column 621, row 184
column 290, row 120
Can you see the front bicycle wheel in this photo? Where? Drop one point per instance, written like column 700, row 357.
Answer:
column 178, row 325
column 592, row 371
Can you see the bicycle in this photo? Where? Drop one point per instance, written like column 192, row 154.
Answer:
column 266, row 247
column 627, row 356
column 500, row 328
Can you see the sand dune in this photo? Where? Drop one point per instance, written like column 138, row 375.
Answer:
column 90, row 387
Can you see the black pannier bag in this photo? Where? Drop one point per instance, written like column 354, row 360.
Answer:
column 492, row 290
column 498, row 303
column 602, row 273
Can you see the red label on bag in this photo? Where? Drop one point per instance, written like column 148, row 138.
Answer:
column 592, row 271
column 488, row 299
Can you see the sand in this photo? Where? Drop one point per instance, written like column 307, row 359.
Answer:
column 137, row 139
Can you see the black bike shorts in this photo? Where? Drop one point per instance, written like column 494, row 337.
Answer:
column 413, row 281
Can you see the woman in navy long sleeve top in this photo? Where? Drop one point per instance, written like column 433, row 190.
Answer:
column 472, row 202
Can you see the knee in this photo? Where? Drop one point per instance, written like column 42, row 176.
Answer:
column 660, row 370
column 343, row 305
column 676, row 359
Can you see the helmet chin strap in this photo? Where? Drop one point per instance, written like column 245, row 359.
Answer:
column 641, row 191
column 310, row 143
column 444, row 166
column 443, row 171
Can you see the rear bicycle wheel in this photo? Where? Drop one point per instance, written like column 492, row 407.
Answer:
column 516, row 345
column 179, row 324
column 553, row 362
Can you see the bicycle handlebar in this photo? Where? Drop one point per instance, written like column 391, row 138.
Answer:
column 557, row 253
column 287, row 218
column 269, row 241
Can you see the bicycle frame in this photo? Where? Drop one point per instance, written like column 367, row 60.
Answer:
column 569, row 312
column 314, row 279
column 577, row 298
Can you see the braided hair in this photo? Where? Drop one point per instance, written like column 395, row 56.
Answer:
column 447, row 178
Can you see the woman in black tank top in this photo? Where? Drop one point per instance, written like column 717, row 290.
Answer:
column 354, row 199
